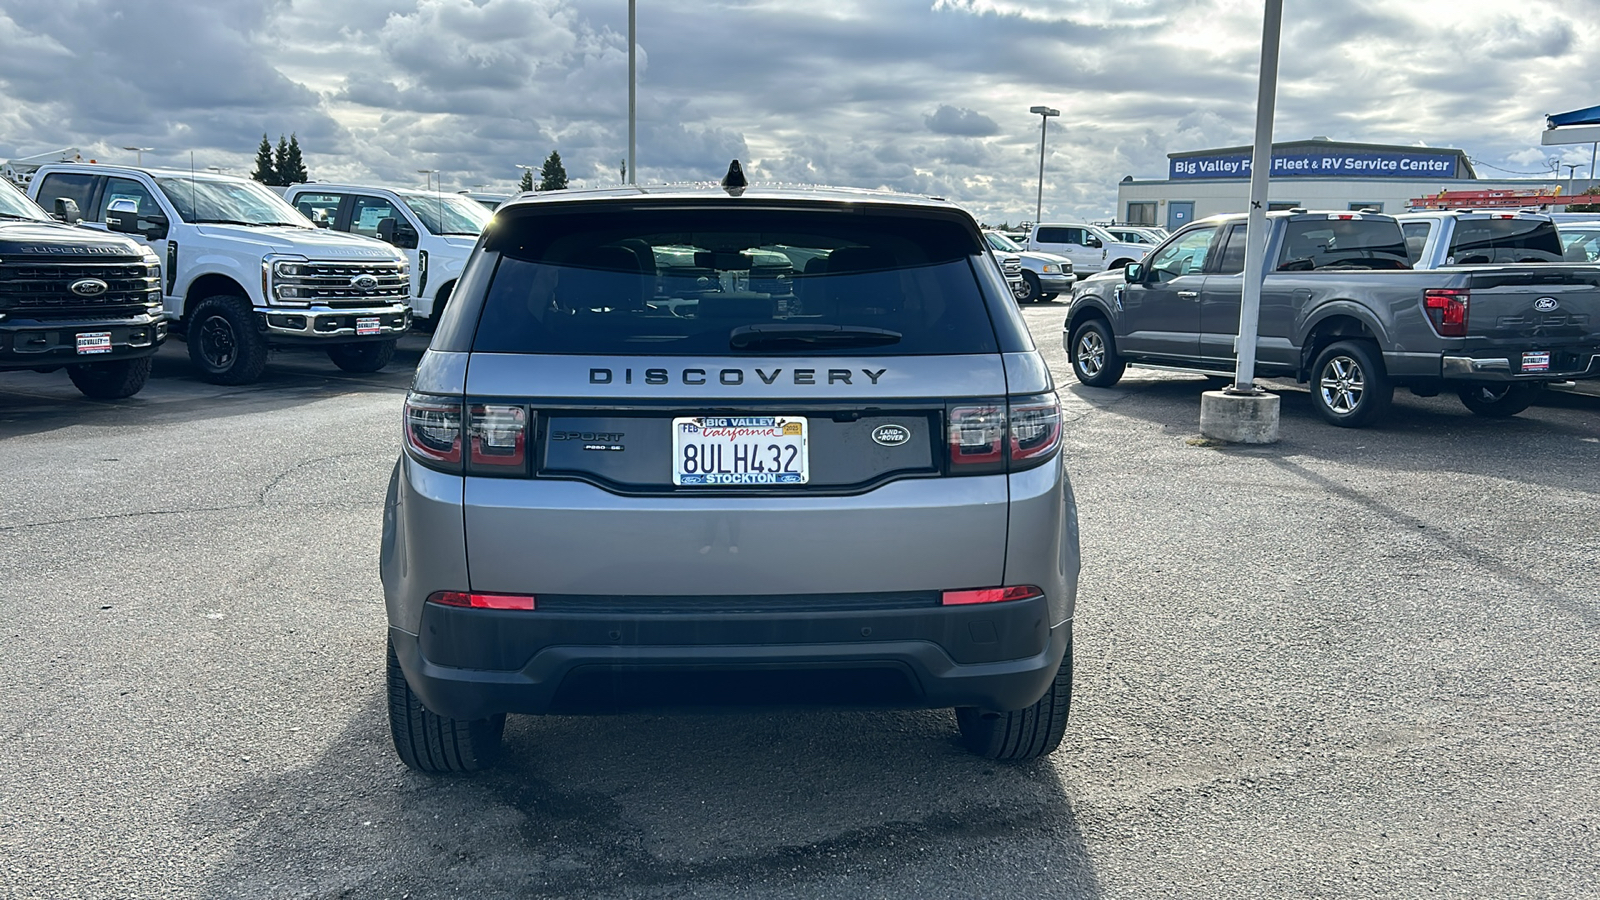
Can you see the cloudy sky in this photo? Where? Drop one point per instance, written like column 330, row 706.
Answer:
column 929, row 96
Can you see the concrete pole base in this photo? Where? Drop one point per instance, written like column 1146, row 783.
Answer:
column 1239, row 418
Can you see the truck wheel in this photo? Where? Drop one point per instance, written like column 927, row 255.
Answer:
column 224, row 343
column 1500, row 400
column 430, row 743
column 1034, row 292
column 1095, row 360
column 1349, row 386
column 367, row 356
column 1022, row 733
column 111, row 380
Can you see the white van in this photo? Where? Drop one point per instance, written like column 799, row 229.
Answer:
column 434, row 230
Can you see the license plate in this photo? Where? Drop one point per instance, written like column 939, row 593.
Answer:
column 368, row 326
column 733, row 450
column 1536, row 361
column 94, row 342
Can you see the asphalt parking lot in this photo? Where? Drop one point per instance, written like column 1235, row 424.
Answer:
column 1353, row 664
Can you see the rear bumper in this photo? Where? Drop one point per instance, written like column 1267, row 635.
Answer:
column 321, row 323
column 470, row 663
column 1564, row 366
column 38, row 343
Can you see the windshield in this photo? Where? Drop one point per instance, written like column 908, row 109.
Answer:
column 13, row 205
column 711, row 282
column 448, row 213
column 1002, row 243
column 202, row 200
column 1103, row 235
column 1581, row 245
column 1312, row 244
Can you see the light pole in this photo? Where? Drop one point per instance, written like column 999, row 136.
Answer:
column 1044, row 113
column 140, row 151
column 633, row 45
column 432, row 176
column 1570, row 169
column 530, row 169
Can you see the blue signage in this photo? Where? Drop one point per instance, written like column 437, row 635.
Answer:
column 1321, row 164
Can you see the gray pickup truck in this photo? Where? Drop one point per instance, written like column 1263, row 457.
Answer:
column 1341, row 309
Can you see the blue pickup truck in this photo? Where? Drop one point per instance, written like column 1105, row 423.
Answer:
column 1343, row 310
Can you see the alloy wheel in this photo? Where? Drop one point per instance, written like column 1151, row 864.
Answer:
column 1091, row 353
column 1342, row 384
column 218, row 343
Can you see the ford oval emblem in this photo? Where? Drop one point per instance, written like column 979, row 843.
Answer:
column 1546, row 304
column 88, row 287
column 364, row 282
column 891, row 435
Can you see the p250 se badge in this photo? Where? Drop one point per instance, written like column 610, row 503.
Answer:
column 1547, row 304
column 891, row 435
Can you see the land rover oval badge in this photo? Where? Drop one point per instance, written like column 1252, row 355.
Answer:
column 891, row 435
column 1546, row 304
column 88, row 287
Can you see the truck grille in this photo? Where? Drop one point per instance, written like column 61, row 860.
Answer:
column 335, row 284
column 46, row 286
column 1012, row 267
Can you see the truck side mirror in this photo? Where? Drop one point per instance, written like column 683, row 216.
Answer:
column 122, row 217
column 67, row 211
column 397, row 233
column 1133, row 273
column 1094, row 242
column 386, row 229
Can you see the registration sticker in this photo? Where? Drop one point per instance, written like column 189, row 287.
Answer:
column 739, row 450
column 1536, row 361
column 94, row 342
column 368, row 326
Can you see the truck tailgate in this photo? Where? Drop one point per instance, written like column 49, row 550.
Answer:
column 1548, row 305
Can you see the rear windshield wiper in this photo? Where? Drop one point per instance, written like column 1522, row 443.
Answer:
column 806, row 337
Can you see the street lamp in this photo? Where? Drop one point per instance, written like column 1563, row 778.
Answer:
column 1570, row 169
column 1044, row 113
column 431, row 173
column 140, row 151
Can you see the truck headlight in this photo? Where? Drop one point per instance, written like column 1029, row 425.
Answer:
column 1049, row 269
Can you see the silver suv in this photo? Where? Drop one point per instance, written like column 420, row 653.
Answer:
column 700, row 446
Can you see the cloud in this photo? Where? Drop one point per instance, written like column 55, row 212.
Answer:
column 967, row 122
column 929, row 96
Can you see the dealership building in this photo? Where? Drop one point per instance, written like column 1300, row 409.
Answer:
column 1314, row 174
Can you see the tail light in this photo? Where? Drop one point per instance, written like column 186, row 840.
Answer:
column 1035, row 427
column 986, row 438
column 977, row 435
column 484, row 601
column 490, row 439
column 1447, row 308
column 496, row 438
column 990, row 595
column 433, row 430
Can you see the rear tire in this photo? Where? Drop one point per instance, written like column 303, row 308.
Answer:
column 1499, row 401
column 1023, row 733
column 434, row 744
column 224, row 342
column 1349, row 386
column 1095, row 360
column 111, row 380
column 365, row 357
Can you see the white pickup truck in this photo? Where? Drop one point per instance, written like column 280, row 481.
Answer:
column 436, row 231
column 241, row 270
column 1090, row 247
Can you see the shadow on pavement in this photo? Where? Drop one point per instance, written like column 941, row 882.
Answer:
column 1556, row 443
column 772, row 804
column 33, row 402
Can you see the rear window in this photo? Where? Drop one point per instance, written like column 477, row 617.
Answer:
column 720, row 282
column 1368, row 243
column 1493, row 241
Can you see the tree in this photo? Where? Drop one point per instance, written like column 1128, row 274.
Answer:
column 265, row 172
column 279, row 156
column 292, row 169
column 1587, row 207
column 526, row 184
column 553, row 177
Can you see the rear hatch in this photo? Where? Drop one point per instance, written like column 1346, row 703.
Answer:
column 741, row 398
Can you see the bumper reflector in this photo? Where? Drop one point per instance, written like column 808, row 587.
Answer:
column 483, row 601
column 991, row 595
